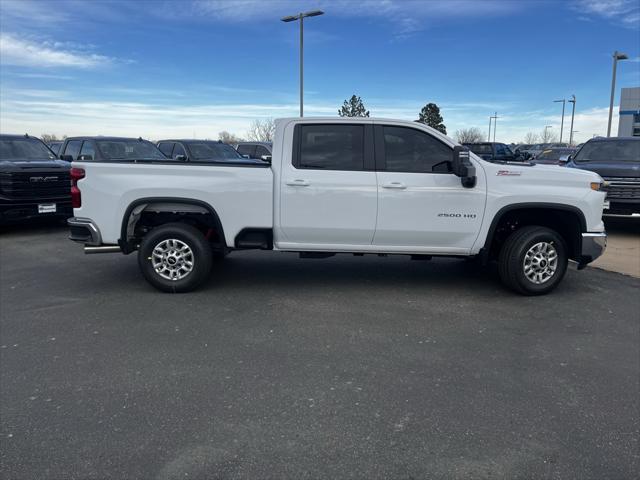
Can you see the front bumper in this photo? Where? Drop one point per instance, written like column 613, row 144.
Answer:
column 84, row 230
column 593, row 245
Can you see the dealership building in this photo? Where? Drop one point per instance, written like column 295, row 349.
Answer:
column 629, row 121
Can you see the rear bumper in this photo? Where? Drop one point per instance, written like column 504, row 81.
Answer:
column 593, row 245
column 85, row 231
column 27, row 209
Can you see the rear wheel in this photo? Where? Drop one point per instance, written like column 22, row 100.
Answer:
column 533, row 260
column 175, row 257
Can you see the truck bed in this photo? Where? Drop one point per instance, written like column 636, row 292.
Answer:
column 242, row 194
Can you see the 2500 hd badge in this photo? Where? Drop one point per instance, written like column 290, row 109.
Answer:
column 458, row 215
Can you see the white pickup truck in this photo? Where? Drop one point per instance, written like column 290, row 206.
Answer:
column 356, row 185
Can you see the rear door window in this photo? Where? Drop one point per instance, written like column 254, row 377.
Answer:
column 480, row 149
column 330, row 147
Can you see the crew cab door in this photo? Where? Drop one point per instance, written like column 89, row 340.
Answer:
column 328, row 189
column 422, row 206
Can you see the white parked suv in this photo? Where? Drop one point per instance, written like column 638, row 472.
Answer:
column 353, row 185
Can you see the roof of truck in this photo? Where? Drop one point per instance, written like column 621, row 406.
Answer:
column 100, row 137
column 612, row 139
column 12, row 136
column 189, row 140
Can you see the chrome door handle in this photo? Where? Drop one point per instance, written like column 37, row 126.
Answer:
column 396, row 185
column 298, row 183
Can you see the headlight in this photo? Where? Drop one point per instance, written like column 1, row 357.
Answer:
column 599, row 186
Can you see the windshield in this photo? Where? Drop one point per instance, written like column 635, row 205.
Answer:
column 24, row 149
column 212, row 151
column 610, row 151
column 129, row 150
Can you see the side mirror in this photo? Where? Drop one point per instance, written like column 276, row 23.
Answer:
column 564, row 159
column 66, row 158
column 462, row 167
column 85, row 157
column 266, row 158
column 181, row 158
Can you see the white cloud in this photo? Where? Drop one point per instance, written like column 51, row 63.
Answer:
column 588, row 123
column 621, row 12
column 37, row 111
column 406, row 16
column 20, row 51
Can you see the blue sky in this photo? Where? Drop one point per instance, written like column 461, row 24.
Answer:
column 185, row 68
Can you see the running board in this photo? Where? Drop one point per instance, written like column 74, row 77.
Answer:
column 103, row 249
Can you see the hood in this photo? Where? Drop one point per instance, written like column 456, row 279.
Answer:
column 609, row 169
column 18, row 165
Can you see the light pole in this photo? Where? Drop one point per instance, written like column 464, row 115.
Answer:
column 301, row 16
column 616, row 56
column 545, row 133
column 489, row 136
column 495, row 124
column 562, row 121
column 573, row 112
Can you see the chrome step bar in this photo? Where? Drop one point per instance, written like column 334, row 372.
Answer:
column 103, row 249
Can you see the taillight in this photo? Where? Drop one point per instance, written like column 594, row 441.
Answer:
column 76, row 198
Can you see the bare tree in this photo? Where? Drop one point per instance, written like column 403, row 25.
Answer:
column 226, row 137
column 469, row 135
column 48, row 137
column 262, row 130
column 530, row 138
column 547, row 136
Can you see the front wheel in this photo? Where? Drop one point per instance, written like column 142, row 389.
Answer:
column 175, row 257
column 533, row 260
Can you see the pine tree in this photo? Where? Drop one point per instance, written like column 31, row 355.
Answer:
column 430, row 115
column 353, row 108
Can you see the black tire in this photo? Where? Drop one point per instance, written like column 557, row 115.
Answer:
column 200, row 257
column 511, row 262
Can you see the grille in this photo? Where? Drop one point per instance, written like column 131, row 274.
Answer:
column 621, row 188
column 35, row 184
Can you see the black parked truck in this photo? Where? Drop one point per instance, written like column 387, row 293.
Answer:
column 617, row 160
column 33, row 182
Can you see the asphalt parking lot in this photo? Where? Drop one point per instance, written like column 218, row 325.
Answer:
column 285, row 368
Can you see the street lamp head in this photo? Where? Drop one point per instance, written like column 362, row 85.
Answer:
column 572, row 99
column 292, row 18
column 558, row 101
column 620, row 56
